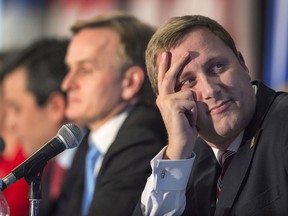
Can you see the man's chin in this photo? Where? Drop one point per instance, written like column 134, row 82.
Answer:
column 75, row 119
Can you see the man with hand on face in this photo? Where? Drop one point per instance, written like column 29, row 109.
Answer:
column 109, row 93
column 214, row 115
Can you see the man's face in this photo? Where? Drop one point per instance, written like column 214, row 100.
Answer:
column 220, row 83
column 94, row 82
column 32, row 124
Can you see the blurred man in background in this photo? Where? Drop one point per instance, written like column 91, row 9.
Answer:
column 11, row 155
column 108, row 92
column 36, row 105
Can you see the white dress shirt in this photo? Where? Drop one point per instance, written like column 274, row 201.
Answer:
column 105, row 136
column 164, row 193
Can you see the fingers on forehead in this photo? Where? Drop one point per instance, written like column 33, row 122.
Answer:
column 168, row 73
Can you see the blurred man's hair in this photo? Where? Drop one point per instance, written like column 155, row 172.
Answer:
column 44, row 63
column 134, row 36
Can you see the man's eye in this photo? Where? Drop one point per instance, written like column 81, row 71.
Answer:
column 84, row 71
column 13, row 109
column 217, row 68
column 188, row 83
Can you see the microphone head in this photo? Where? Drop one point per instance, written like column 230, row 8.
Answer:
column 70, row 135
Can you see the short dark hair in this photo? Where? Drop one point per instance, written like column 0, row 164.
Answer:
column 44, row 63
column 172, row 33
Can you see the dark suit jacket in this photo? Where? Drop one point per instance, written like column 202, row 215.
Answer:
column 125, row 167
column 256, row 182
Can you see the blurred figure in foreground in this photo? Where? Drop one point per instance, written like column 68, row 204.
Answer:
column 109, row 93
column 11, row 155
column 36, row 105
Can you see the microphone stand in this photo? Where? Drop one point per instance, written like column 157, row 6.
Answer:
column 34, row 196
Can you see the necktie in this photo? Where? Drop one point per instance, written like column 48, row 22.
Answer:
column 224, row 161
column 90, row 179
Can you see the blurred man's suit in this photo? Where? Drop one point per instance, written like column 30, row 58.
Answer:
column 139, row 139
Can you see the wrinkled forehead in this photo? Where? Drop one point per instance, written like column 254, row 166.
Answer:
column 198, row 40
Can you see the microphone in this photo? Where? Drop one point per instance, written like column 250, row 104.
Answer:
column 68, row 136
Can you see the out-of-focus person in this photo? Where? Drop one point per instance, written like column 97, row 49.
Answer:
column 109, row 93
column 11, row 155
column 35, row 107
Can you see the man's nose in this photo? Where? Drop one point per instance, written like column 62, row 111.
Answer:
column 209, row 87
column 68, row 81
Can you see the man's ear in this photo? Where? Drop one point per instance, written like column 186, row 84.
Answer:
column 242, row 61
column 56, row 106
column 132, row 82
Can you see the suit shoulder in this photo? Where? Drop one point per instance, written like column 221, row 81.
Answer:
column 144, row 115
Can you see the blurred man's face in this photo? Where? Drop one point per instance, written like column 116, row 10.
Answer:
column 33, row 125
column 94, row 83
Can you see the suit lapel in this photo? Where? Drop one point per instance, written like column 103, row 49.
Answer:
column 239, row 167
column 235, row 174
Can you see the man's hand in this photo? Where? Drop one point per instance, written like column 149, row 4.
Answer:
column 178, row 109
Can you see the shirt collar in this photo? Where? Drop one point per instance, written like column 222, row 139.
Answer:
column 255, row 87
column 233, row 146
column 105, row 135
